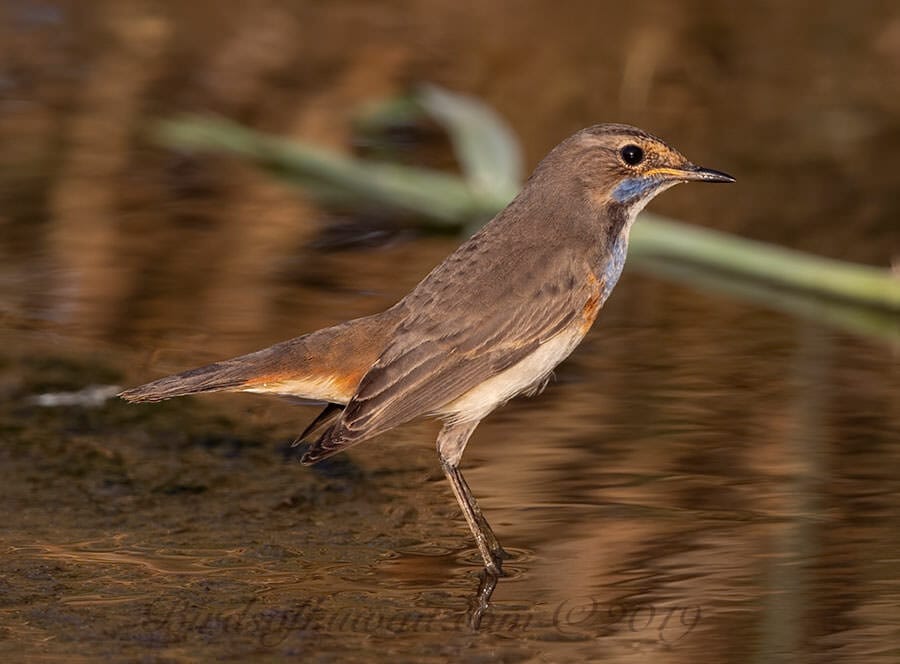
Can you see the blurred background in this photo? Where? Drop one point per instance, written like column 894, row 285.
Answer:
column 700, row 449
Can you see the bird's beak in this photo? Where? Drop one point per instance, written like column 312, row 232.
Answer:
column 689, row 173
column 700, row 174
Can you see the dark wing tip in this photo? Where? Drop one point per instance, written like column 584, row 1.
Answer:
column 315, row 453
column 309, row 458
column 330, row 413
column 332, row 441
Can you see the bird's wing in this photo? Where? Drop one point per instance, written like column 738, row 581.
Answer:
column 460, row 334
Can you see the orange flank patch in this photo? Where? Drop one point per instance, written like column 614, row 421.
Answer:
column 334, row 388
column 592, row 307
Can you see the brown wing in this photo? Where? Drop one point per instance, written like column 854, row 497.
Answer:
column 465, row 329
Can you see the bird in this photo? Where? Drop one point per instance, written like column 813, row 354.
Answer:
column 489, row 323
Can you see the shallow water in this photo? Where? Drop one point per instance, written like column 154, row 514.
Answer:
column 703, row 478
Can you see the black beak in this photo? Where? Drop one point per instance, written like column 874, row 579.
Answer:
column 701, row 174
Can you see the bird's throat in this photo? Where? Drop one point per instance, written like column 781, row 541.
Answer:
column 631, row 190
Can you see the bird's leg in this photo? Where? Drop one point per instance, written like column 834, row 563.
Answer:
column 450, row 443
column 481, row 601
column 484, row 537
column 492, row 542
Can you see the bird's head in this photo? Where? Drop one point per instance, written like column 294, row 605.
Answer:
column 622, row 167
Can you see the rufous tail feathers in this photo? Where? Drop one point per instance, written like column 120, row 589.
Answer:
column 323, row 366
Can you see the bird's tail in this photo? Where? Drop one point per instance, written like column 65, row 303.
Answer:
column 228, row 375
column 324, row 366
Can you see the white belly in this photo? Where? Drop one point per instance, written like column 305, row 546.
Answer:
column 529, row 373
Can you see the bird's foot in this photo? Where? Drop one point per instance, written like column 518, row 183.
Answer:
column 481, row 600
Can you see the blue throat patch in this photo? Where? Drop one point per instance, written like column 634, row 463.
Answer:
column 613, row 268
column 632, row 188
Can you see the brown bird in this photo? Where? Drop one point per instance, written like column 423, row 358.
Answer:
column 487, row 324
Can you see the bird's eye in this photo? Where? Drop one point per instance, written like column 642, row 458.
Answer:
column 632, row 155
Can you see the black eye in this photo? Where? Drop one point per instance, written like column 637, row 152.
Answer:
column 632, row 155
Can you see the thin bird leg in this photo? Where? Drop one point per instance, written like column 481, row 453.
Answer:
column 450, row 443
column 492, row 542
column 484, row 536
